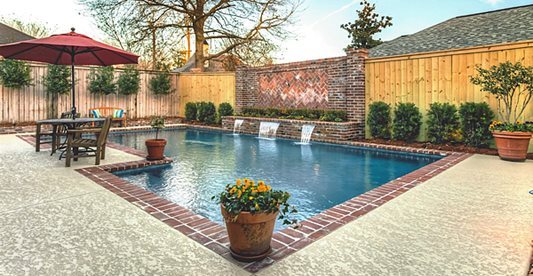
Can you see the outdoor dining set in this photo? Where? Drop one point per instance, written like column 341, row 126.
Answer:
column 74, row 136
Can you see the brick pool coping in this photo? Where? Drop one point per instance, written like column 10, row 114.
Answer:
column 285, row 242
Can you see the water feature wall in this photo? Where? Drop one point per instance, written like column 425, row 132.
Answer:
column 237, row 126
column 267, row 130
column 292, row 129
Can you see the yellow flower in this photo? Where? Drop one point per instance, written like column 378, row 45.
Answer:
column 261, row 182
column 232, row 190
column 239, row 194
column 251, row 198
column 256, row 206
column 238, row 182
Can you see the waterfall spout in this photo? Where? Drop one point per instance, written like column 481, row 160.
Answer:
column 307, row 130
column 267, row 130
column 237, row 126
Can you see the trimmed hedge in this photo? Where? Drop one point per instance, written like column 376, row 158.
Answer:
column 224, row 109
column 379, row 120
column 300, row 114
column 191, row 111
column 443, row 123
column 406, row 123
column 206, row 112
column 475, row 121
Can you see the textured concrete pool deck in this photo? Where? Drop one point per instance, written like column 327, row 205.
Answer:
column 473, row 219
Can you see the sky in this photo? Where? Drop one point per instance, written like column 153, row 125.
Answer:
column 317, row 32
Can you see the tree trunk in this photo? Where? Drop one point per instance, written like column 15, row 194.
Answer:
column 154, row 59
column 199, row 37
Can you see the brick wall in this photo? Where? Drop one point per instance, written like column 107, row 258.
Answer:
column 292, row 129
column 332, row 83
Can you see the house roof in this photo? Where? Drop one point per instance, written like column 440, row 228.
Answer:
column 493, row 27
column 10, row 35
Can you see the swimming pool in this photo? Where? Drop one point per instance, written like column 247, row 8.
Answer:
column 318, row 176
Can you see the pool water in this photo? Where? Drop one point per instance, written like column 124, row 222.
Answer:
column 318, row 176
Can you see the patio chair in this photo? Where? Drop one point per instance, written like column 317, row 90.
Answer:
column 79, row 146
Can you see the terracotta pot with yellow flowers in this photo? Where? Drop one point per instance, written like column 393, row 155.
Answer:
column 512, row 85
column 250, row 210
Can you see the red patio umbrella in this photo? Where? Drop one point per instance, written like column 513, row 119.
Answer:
column 68, row 49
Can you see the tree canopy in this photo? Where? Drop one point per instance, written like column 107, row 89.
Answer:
column 248, row 29
column 366, row 25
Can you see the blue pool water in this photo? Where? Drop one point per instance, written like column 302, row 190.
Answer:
column 318, row 176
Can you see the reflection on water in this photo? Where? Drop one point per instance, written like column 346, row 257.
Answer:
column 318, row 176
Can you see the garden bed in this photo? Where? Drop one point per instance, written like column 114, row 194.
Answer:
column 443, row 147
column 291, row 128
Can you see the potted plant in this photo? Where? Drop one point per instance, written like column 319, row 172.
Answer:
column 156, row 147
column 250, row 210
column 512, row 85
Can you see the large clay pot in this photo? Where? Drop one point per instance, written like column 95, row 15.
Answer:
column 250, row 235
column 512, row 146
column 155, row 148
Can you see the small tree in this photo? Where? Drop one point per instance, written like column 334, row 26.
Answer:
column 367, row 24
column 101, row 81
column 14, row 74
column 157, row 123
column 160, row 84
column 129, row 81
column 443, row 122
column 57, row 80
column 511, row 84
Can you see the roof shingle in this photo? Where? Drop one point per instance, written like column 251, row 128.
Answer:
column 10, row 35
column 494, row 27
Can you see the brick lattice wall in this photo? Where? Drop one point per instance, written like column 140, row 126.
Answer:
column 332, row 83
column 292, row 129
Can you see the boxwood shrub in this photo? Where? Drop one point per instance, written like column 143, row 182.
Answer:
column 475, row 121
column 224, row 109
column 379, row 120
column 191, row 111
column 406, row 123
column 295, row 113
column 206, row 112
column 443, row 122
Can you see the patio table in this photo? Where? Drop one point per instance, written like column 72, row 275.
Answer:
column 69, row 123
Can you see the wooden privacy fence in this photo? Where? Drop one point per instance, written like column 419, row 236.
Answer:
column 441, row 76
column 33, row 103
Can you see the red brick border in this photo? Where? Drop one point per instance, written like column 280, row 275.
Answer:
column 284, row 242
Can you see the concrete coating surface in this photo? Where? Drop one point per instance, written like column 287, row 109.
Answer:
column 474, row 219
column 54, row 221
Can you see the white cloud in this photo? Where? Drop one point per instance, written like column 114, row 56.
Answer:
column 492, row 2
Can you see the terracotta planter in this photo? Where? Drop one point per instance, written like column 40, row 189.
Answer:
column 512, row 146
column 250, row 235
column 155, row 148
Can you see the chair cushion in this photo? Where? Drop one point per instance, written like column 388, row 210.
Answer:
column 96, row 113
column 118, row 113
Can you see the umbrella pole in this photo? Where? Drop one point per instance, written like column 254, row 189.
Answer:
column 73, row 85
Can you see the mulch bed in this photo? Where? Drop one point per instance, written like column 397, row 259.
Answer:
column 444, row 147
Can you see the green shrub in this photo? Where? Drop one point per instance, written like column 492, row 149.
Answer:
column 406, row 123
column 160, row 84
column 101, row 81
column 443, row 122
column 225, row 109
column 302, row 114
column 14, row 73
column 206, row 112
column 129, row 81
column 334, row 116
column 57, row 80
column 475, row 121
column 191, row 111
column 379, row 120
